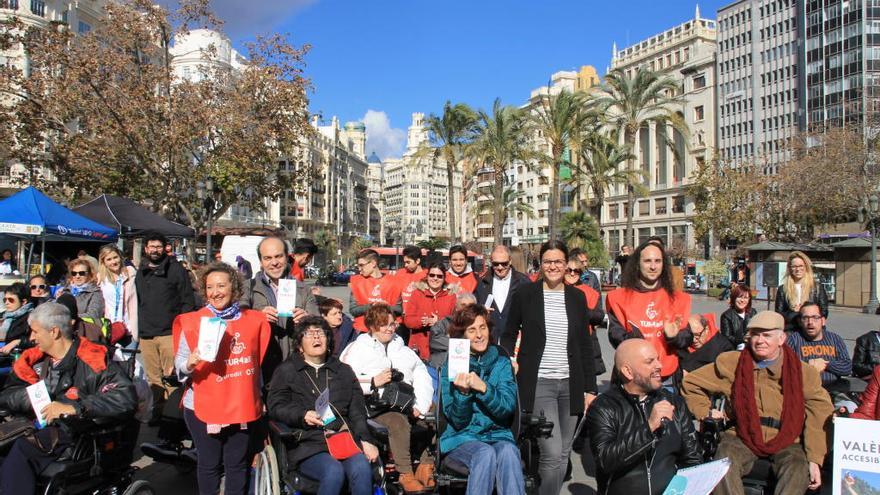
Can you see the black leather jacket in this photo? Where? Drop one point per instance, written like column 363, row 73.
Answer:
column 630, row 458
column 867, row 354
column 733, row 327
column 792, row 318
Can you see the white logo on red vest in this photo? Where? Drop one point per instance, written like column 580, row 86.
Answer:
column 237, row 347
column 377, row 291
column 650, row 312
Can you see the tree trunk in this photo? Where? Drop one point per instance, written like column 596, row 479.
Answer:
column 553, row 216
column 449, row 156
column 630, row 193
column 498, row 203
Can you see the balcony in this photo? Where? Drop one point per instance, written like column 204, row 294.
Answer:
column 38, row 7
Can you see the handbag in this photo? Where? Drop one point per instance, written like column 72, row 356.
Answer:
column 396, row 396
column 11, row 431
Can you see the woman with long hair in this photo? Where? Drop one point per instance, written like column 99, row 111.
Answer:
column 81, row 285
column 39, row 288
column 647, row 306
column 116, row 281
column 556, row 364
column 799, row 286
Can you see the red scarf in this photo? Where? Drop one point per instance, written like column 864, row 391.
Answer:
column 748, row 421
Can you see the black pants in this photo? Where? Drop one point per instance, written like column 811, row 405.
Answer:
column 231, row 452
column 25, row 461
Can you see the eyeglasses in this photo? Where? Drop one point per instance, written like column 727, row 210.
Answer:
column 314, row 334
column 553, row 262
column 813, row 317
column 38, row 287
column 502, row 264
column 436, row 275
column 79, row 274
column 573, row 271
column 361, row 265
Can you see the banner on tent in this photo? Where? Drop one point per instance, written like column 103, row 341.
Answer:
column 20, row 228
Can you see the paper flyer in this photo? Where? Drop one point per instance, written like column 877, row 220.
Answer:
column 489, row 300
column 698, row 480
column 286, row 297
column 322, row 407
column 459, row 357
column 856, row 468
column 210, row 334
column 39, row 397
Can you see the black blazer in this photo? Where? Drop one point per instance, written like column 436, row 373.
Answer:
column 792, row 318
column 484, row 288
column 527, row 314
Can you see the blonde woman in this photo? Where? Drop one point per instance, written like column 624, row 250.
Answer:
column 81, row 285
column 116, row 281
column 799, row 286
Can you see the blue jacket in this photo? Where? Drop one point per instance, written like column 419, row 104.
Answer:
column 482, row 417
column 347, row 335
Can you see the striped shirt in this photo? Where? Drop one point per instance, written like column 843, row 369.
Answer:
column 554, row 362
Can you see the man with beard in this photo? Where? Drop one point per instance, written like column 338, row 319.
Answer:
column 262, row 295
column 640, row 433
column 163, row 292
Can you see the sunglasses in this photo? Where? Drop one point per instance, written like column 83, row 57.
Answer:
column 574, row 271
column 503, row 264
column 435, row 275
column 38, row 287
column 79, row 274
column 10, row 300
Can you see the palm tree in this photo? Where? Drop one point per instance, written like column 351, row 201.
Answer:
column 630, row 103
column 578, row 229
column 502, row 140
column 558, row 118
column 448, row 133
column 600, row 162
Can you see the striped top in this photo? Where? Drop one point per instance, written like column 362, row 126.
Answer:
column 554, row 362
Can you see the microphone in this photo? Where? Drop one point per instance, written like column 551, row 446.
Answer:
column 663, row 428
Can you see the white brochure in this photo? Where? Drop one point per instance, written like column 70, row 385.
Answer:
column 39, row 396
column 489, row 300
column 286, row 297
column 211, row 332
column 459, row 357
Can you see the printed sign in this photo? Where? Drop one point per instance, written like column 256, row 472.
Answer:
column 286, row 297
column 489, row 300
column 698, row 480
column 459, row 357
column 856, row 469
column 322, row 407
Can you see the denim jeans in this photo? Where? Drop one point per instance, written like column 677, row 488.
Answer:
column 490, row 466
column 552, row 397
column 332, row 474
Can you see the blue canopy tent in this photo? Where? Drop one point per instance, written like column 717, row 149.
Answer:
column 30, row 214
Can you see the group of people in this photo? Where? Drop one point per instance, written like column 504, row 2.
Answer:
column 533, row 342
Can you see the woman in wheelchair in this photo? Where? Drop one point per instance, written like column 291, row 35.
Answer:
column 400, row 387
column 479, row 408
column 293, row 392
column 82, row 382
column 222, row 403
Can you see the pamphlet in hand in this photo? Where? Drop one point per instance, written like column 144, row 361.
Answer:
column 489, row 300
column 459, row 357
column 322, row 407
column 39, row 396
column 211, row 332
column 698, row 480
column 286, row 297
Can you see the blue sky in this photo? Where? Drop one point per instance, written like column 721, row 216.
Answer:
column 381, row 60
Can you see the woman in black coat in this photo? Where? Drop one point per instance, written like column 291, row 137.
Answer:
column 14, row 322
column 296, row 385
column 798, row 287
column 555, row 360
column 736, row 318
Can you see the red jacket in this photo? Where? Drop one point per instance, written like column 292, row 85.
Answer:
column 592, row 299
column 424, row 303
column 467, row 281
column 870, row 406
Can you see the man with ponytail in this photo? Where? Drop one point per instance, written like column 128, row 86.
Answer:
column 777, row 404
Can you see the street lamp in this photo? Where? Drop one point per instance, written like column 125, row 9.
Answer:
column 206, row 193
column 870, row 215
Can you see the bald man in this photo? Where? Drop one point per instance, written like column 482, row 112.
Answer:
column 640, row 433
column 500, row 282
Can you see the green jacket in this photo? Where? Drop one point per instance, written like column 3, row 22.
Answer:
column 482, row 417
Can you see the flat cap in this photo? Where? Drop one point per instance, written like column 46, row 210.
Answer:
column 767, row 320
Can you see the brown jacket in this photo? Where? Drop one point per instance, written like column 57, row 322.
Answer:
column 700, row 385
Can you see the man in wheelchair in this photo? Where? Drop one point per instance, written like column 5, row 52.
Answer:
column 780, row 410
column 82, row 381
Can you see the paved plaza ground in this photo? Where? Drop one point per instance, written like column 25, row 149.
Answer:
column 849, row 323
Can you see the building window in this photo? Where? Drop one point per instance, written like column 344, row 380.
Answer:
column 38, row 7
column 613, row 211
column 678, row 204
column 663, row 233
column 644, row 208
column 700, row 81
column 660, row 206
column 84, row 28
column 699, row 113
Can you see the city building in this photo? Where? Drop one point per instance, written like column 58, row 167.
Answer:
column 415, row 191
column 376, row 195
column 686, row 52
column 758, row 89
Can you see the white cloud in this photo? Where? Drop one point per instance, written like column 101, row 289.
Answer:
column 385, row 140
column 253, row 17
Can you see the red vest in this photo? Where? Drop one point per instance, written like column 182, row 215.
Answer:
column 648, row 311
column 467, row 282
column 406, row 282
column 227, row 391
column 592, row 299
column 371, row 290
column 297, row 272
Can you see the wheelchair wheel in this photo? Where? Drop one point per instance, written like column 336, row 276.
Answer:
column 139, row 487
column 266, row 479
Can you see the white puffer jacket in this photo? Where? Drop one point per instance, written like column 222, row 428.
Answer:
column 368, row 357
